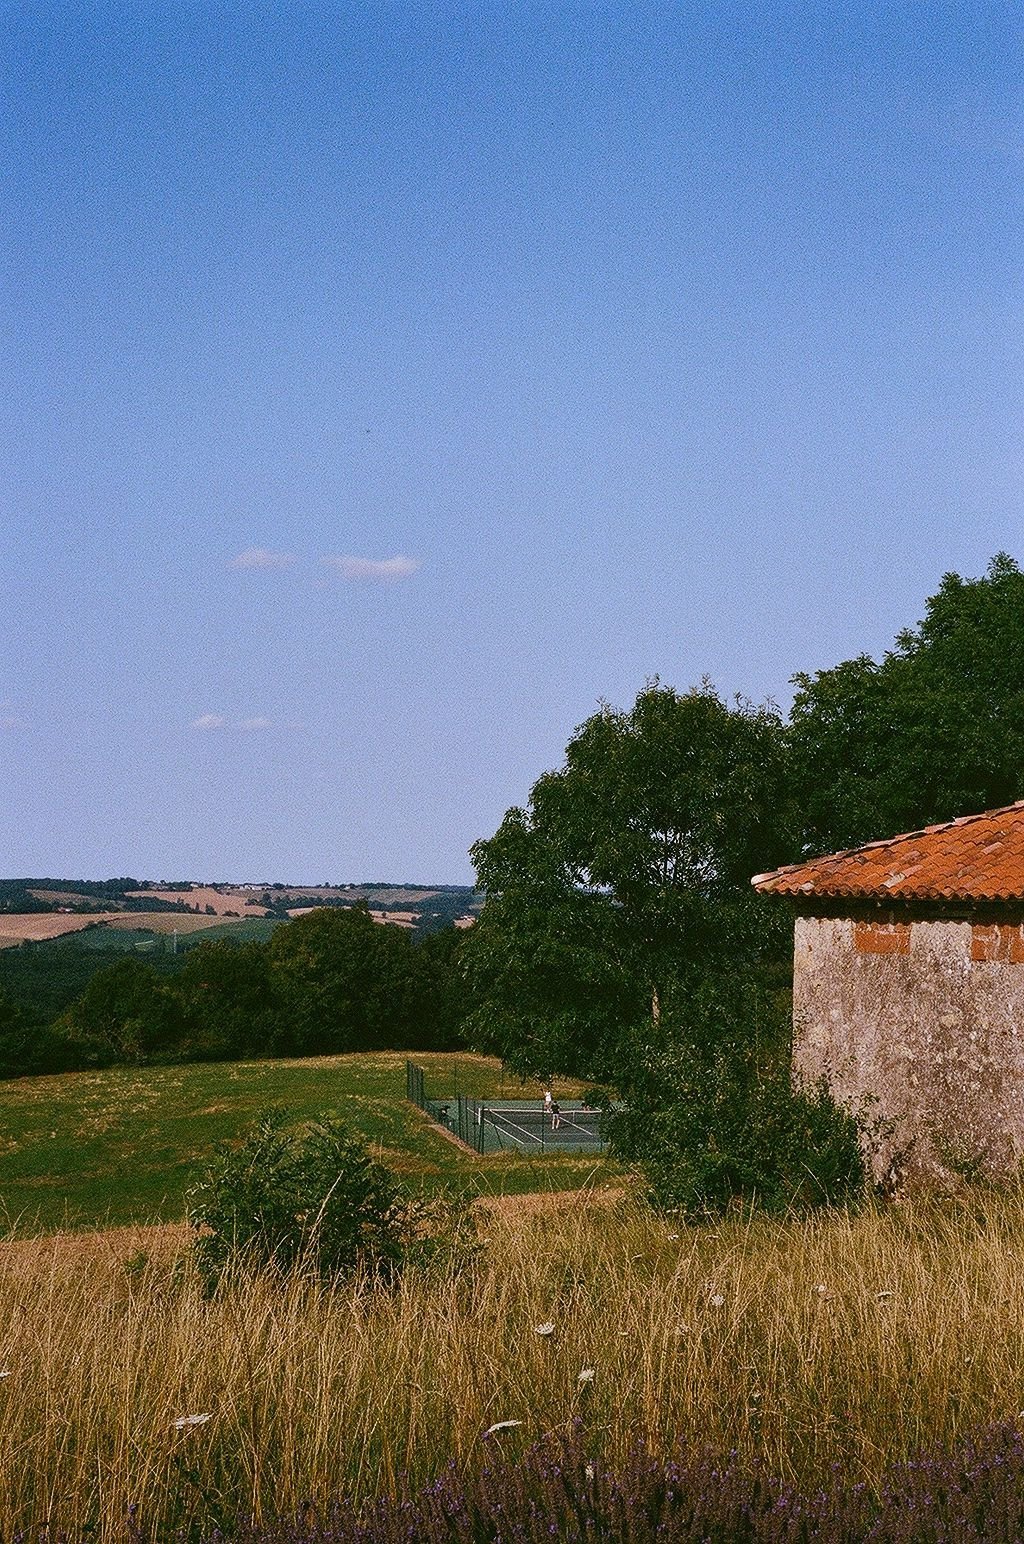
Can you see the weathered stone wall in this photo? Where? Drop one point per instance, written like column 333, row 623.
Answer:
column 921, row 1023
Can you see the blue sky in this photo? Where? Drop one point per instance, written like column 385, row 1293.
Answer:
column 387, row 384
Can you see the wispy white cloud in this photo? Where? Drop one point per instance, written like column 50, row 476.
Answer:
column 379, row 569
column 211, row 721
column 259, row 557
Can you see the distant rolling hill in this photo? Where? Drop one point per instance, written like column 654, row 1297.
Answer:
column 39, row 909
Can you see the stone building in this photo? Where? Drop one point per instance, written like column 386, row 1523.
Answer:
column 908, row 992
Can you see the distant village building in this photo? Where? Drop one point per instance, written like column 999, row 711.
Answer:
column 908, row 992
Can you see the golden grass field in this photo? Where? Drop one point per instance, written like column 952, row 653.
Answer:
column 839, row 1339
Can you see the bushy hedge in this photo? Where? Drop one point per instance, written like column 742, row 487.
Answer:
column 307, row 1198
column 711, row 1115
column 757, row 1141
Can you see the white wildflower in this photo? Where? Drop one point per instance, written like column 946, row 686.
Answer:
column 821, row 1289
column 501, row 1426
column 673, row 1238
column 589, row 1471
column 717, row 1300
column 587, row 1375
column 183, row 1422
column 547, row 1328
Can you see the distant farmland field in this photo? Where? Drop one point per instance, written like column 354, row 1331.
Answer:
column 126, row 932
column 36, row 926
column 244, row 930
column 166, row 921
column 224, row 904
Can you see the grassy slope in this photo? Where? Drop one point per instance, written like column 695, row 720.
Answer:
column 90, row 1149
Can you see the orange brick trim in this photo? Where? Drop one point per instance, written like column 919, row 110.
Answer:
column 881, row 937
column 997, row 941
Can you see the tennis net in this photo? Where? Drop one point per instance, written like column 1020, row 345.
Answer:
column 514, row 1126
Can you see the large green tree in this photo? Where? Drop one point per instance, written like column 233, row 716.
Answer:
column 27, row 1047
column 933, row 730
column 341, row 982
column 227, row 1000
column 626, row 879
column 127, row 1013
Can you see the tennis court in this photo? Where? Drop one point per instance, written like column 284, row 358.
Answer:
column 525, row 1126
column 515, row 1125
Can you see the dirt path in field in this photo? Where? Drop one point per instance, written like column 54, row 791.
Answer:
column 103, row 1246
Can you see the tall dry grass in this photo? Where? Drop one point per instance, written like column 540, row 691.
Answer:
column 846, row 1340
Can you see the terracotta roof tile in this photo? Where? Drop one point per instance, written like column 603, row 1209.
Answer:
column 975, row 858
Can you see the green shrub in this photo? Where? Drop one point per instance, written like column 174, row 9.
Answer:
column 712, row 1118
column 765, row 1144
column 27, row 1047
column 301, row 1198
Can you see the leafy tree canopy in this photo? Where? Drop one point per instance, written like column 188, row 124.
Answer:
column 342, row 982
column 127, row 1013
column 935, row 730
column 626, row 875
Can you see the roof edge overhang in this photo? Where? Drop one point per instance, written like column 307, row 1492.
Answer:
column 788, row 881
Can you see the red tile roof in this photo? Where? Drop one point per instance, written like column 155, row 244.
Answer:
column 975, row 858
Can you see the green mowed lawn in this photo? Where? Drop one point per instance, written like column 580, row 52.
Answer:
column 96, row 1149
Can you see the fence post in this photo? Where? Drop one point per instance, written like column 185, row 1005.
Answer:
column 415, row 1090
